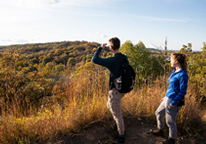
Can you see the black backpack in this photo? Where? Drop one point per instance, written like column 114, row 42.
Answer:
column 125, row 82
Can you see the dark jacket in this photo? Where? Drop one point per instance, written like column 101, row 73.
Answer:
column 110, row 63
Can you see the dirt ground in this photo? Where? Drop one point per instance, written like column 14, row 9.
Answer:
column 99, row 132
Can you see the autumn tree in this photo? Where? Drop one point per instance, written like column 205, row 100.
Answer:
column 21, row 86
column 197, row 72
column 144, row 64
column 186, row 49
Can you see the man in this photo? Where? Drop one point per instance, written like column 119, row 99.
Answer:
column 114, row 98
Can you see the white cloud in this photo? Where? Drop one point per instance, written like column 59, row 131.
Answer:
column 20, row 15
column 22, row 40
column 100, row 34
column 5, row 40
column 103, row 36
column 53, row 1
column 43, row 3
column 22, row 10
column 13, row 41
column 85, row 2
column 167, row 19
column 157, row 18
column 28, row 3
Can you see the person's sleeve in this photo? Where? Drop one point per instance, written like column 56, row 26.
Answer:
column 183, row 79
column 106, row 62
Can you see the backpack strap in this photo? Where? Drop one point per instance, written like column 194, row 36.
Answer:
column 121, row 64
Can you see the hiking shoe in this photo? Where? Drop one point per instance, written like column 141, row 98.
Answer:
column 158, row 132
column 118, row 140
column 169, row 141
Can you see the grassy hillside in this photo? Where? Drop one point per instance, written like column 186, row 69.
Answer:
column 82, row 98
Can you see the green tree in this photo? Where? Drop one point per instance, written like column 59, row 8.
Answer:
column 59, row 68
column 71, row 61
column 186, row 49
column 46, row 60
column 141, row 60
column 197, row 72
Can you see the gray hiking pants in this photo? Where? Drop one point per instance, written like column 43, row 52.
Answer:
column 171, row 115
column 114, row 105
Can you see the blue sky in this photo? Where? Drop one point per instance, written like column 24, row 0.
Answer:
column 150, row 21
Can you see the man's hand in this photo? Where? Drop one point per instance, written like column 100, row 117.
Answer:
column 103, row 45
column 171, row 106
column 162, row 99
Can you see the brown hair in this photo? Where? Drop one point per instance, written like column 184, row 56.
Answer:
column 115, row 43
column 181, row 58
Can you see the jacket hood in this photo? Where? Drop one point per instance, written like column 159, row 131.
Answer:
column 122, row 56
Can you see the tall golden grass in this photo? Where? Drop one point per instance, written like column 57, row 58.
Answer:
column 81, row 99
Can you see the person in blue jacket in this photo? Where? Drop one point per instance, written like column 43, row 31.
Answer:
column 170, row 104
column 114, row 97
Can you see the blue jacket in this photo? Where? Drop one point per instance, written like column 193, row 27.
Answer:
column 177, row 82
column 110, row 63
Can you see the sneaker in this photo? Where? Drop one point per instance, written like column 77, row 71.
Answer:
column 158, row 132
column 118, row 140
column 169, row 141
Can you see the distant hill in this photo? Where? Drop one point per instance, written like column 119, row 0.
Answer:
column 32, row 48
column 156, row 50
column 36, row 47
column 64, row 52
column 153, row 49
column 58, row 52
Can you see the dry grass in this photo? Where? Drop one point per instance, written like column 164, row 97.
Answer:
column 82, row 99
